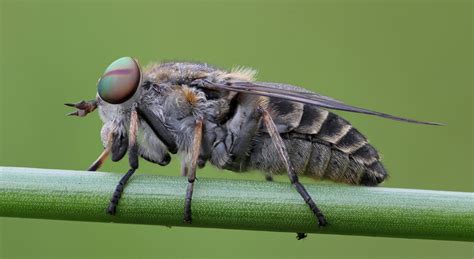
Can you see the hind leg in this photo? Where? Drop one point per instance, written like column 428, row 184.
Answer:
column 280, row 146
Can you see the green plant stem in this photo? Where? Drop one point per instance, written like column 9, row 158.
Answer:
column 232, row 204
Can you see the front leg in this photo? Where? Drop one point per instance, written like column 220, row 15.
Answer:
column 192, row 169
column 159, row 128
column 132, row 160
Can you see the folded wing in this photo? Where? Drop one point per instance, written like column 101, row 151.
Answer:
column 297, row 94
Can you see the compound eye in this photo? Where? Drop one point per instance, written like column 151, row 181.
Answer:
column 120, row 81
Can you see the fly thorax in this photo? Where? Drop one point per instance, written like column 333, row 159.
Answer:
column 184, row 101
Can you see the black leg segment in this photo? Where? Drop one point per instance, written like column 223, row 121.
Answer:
column 301, row 235
column 188, row 199
column 112, row 208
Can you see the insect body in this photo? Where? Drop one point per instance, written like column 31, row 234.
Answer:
column 230, row 120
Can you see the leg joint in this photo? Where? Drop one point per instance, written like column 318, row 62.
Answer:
column 293, row 178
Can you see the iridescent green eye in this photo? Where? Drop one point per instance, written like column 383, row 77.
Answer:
column 120, row 81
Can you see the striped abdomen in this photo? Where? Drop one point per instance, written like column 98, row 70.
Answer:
column 321, row 144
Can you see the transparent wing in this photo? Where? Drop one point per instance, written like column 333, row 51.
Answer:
column 297, row 94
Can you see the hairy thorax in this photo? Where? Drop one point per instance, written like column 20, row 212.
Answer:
column 172, row 98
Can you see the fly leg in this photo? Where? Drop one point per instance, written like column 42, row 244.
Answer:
column 116, row 145
column 280, row 146
column 109, row 148
column 159, row 128
column 83, row 108
column 192, row 169
column 100, row 160
column 132, row 160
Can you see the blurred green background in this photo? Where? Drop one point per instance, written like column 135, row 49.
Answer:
column 410, row 58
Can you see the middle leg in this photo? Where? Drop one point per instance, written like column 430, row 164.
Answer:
column 192, row 169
